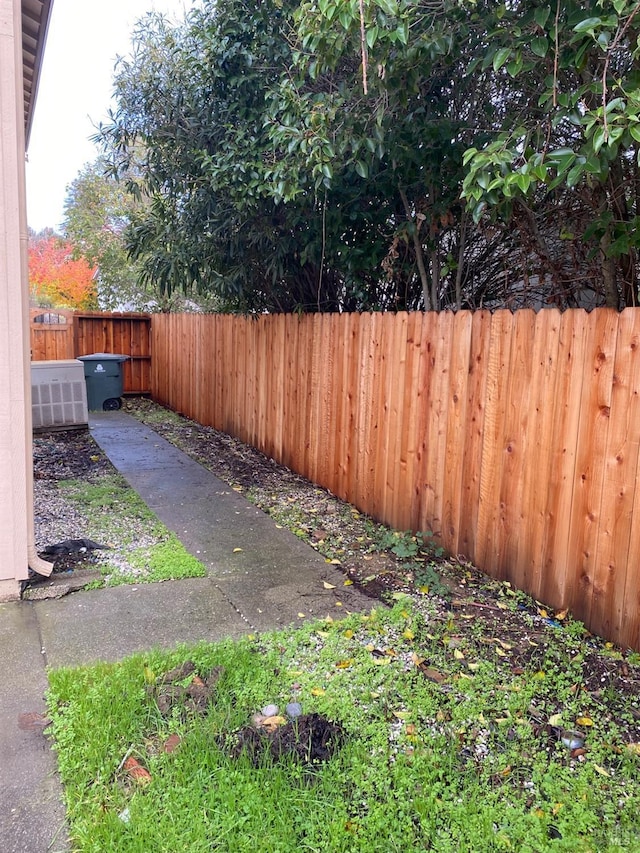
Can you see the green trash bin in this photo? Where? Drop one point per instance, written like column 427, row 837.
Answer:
column 103, row 377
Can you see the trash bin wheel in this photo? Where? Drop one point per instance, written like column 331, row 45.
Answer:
column 112, row 404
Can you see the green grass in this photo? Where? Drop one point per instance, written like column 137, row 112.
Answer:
column 455, row 765
column 146, row 550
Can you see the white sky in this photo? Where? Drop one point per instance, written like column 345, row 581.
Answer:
column 84, row 39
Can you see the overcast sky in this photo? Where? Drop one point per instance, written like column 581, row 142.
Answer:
column 85, row 37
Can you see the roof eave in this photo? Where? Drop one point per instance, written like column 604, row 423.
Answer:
column 35, row 24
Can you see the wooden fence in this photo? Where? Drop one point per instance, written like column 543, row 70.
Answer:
column 82, row 334
column 514, row 437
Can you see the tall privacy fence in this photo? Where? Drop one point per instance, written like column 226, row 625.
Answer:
column 513, row 437
column 59, row 335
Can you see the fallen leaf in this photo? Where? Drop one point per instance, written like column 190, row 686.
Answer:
column 432, row 674
column 348, row 634
column 500, row 652
column 171, row 743
column 32, row 721
column 327, row 585
column 348, row 583
column 237, row 550
column 382, row 661
column 601, row 771
column 338, row 604
column 561, row 614
column 458, row 655
column 501, row 605
column 584, row 721
column 272, row 723
column 402, row 715
column 633, row 748
column 301, row 615
column 542, row 612
column 137, row 772
column 317, row 691
column 555, row 719
column 408, row 634
column 335, row 562
column 344, row 664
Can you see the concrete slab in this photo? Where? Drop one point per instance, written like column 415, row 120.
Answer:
column 32, row 816
column 109, row 624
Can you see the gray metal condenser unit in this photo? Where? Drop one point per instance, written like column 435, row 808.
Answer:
column 58, row 394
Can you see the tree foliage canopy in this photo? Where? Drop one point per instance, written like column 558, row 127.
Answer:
column 384, row 154
column 56, row 278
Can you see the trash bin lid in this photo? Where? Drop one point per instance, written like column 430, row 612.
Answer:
column 103, row 356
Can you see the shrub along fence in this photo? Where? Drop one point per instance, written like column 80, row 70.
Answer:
column 513, row 437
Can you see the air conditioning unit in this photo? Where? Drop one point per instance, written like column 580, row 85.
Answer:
column 58, row 394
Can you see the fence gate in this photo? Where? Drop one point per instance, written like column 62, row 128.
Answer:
column 64, row 334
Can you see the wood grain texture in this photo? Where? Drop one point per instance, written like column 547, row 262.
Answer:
column 514, row 437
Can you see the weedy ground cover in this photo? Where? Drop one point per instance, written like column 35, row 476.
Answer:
column 451, row 740
column 146, row 550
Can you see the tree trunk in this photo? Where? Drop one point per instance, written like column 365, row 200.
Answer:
column 417, row 247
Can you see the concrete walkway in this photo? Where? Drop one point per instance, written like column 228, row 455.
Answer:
column 274, row 581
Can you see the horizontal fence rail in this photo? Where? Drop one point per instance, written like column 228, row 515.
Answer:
column 513, row 437
column 86, row 333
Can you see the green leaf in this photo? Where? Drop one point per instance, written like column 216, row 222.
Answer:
column 388, row 6
column 541, row 15
column 362, row 169
column 501, row 57
column 587, row 25
column 345, row 17
column 575, row 174
column 403, row 34
column 540, row 46
column 372, row 36
column 634, row 132
column 614, row 104
column 598, row 139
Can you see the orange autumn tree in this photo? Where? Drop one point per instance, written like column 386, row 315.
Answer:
column 56, row 278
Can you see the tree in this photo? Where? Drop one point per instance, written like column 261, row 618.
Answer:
column 384, row 154
column 574, row 139
column 236, row 203
column 56, row 278
column 98, row 211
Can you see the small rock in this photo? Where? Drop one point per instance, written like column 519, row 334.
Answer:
column 270, row 710
column 294, row 709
